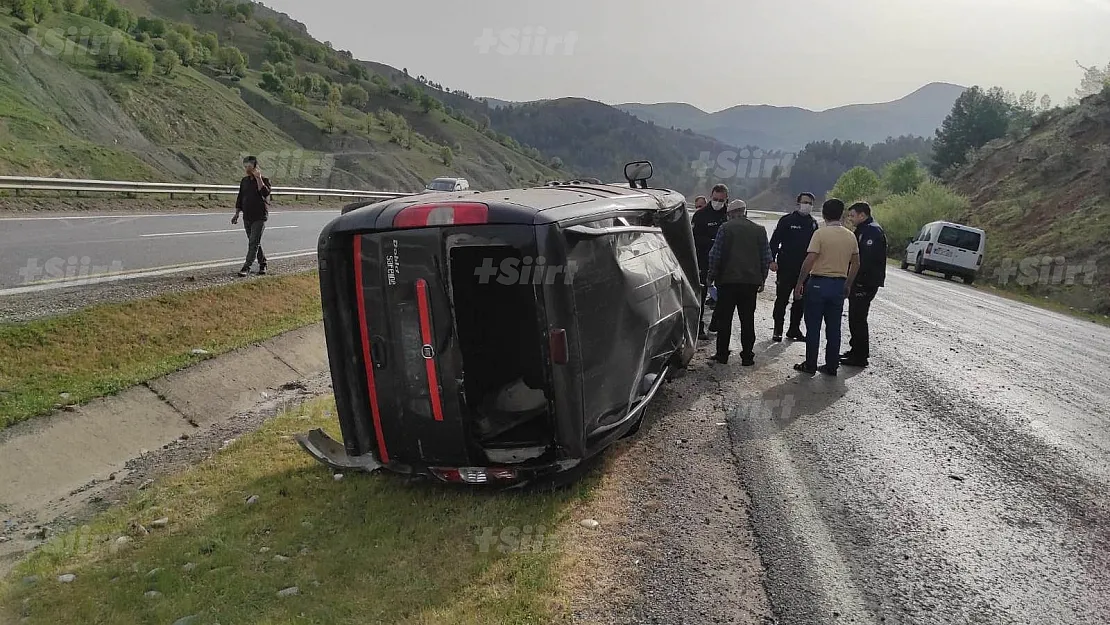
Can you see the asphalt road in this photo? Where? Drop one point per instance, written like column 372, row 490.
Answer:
column 963, row 478
column 48, row 252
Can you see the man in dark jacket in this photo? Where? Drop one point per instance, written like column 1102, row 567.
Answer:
column 788, row 251
column 738, row 264
column 705, row 223
column 254, row 191
column 871, row 277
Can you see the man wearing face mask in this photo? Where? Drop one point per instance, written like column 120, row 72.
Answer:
column 705, row 224
column 788, row 251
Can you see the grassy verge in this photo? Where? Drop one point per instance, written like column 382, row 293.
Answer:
column 102, row 350
column 367, row 549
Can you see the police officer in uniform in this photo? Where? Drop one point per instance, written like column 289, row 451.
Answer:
column 871, row 277
column 788, row 251
column 705, row 223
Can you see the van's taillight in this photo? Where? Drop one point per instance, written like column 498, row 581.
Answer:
column 443, row 214
column 980, row 261
column 929, row 249
column 475, row 475
column 558, row 338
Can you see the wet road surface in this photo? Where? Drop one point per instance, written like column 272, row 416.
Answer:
column 48, row 252
column 963, row 478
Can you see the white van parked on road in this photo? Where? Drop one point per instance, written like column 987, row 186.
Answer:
column 947, row 248
column 447, row 184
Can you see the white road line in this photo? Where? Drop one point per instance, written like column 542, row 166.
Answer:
column 180, row 234
column 126, row 216
column 145, row 273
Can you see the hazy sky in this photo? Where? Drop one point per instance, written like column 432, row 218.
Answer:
column 714, row 54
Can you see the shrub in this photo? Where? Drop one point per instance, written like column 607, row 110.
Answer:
column 902, row 216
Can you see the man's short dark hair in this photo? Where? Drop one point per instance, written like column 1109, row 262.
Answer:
column 861, row 207
column 250, row 160
column 720, row 188
column 805, row 194
column 832, row 210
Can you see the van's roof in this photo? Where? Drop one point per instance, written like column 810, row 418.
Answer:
column 531, row 206
column 956, row 225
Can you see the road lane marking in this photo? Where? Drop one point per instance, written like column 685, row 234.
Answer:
column 62, row 283
column 181, row 234
column 124, row 216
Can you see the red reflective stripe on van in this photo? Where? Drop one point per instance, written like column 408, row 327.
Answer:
column 429, row 355
column 369, row 364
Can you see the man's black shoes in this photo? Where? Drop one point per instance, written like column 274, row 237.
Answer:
column 720, row 359
column 804, row 368
column 827, row 370
column 795, row 335
column 848, row 359
column 244, row 272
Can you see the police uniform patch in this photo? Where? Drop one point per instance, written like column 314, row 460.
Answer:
column 870, row 242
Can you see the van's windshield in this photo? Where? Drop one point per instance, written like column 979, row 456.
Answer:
column 963, row 239
column 441, row 185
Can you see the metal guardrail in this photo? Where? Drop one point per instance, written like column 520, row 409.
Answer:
column 22, row 183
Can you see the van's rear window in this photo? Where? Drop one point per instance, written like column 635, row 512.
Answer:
column 963, row 239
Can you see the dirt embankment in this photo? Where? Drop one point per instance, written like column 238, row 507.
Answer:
column 1043, row 200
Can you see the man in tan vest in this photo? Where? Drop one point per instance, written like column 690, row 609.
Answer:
column 738, row 264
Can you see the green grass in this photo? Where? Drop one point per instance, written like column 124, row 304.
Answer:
column 104, row 349
column 367, row 549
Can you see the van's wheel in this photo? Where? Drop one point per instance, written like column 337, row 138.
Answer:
column 919, row 264
column 905, row 265
column 968, row 279
column 947, row 276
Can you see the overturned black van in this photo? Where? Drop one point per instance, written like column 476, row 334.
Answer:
column 495, row 337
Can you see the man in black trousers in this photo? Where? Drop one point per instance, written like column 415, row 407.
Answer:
column 254, row 193
column 738, row 264
column 705, row 223
column 788, row 250
column 871, row 277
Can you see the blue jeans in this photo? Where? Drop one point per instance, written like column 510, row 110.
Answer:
column 824, row 300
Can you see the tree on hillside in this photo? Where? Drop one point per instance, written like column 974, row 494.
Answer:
column 168, row 62
column 447, row 155
column 977, row 117
column 22, row 9
column 211, row 41
column 231, row 60
column 138, row 60
column 181, row 46
column 354, row 95
column 856, row 184
column 903, row 175
column 1094, row 81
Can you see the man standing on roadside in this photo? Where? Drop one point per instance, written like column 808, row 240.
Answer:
column 738, row 264
column 788, row 249
column 871, row 277
column 705, row 224
column 254, row 193
column 828, row 272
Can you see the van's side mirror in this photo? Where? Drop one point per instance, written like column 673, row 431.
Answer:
column 639, row 171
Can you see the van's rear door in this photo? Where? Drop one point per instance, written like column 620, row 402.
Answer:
column 406, row 321
column 958, row 246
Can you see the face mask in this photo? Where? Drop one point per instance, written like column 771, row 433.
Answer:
column 717, row 204
column 805, row 209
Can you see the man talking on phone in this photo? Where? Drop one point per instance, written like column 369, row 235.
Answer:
column 254, row 191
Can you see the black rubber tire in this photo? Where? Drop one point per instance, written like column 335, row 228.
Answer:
column 919, row 264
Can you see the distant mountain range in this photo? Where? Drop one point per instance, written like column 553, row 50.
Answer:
column 790, row 128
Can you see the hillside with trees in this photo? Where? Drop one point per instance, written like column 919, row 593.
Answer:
column 172, row 90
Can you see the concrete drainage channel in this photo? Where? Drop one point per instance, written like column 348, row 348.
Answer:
column 56, row 469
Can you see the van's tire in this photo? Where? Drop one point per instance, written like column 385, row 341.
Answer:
column 919, row 264
column 969, row 278
column 905, row 265
column 947, row 276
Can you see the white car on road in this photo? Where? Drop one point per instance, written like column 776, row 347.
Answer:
column 948, row 248
column 440, row 185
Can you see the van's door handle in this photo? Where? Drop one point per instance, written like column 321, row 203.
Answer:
column 377, row 352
